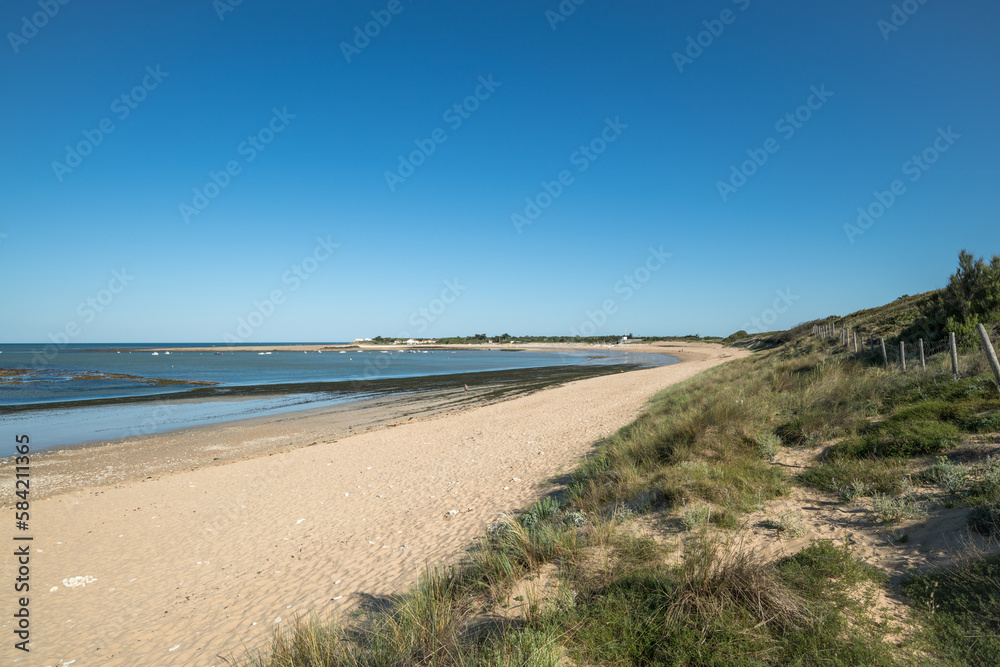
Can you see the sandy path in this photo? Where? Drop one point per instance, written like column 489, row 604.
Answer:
column 181, row 569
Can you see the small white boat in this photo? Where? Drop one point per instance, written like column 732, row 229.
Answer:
column 156, row 354
column 166, row 353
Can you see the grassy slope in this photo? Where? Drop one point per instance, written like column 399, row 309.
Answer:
column 700, row 459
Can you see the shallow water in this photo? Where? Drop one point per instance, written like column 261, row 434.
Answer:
column 54, row 380
column 56, row 408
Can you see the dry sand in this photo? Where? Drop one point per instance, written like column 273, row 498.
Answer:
column 191, row 566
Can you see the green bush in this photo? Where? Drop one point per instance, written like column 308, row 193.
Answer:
column 951, row 477
column 985, row 519
column 892, row 509
column 851, row 478
column 973, row 294
column 986, row 489
column 961, row 610
column 826, row 571
column 901, row 438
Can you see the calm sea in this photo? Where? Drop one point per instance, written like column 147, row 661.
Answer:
column 77, row 394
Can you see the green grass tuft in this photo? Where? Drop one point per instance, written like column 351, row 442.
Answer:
column 960, row 609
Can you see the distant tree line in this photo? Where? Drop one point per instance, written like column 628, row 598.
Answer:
column 506, row 338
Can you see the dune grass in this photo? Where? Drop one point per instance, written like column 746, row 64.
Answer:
column 702, row 453
column 959, row 605
column 720, row 606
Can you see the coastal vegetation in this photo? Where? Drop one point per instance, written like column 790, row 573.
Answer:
column 663, row 548
column 507, row 339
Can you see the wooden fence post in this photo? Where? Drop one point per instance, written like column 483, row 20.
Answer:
column 923, row 364
column 954, row 354
column 990, row 352
column 885, row 357
column 902, row 353
column 855, row 342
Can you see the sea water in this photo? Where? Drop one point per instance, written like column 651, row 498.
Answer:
column 90, row 393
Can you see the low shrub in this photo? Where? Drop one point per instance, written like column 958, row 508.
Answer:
column 960, row 610
column 951, row 477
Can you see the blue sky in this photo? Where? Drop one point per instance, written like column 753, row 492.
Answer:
column 641, row 136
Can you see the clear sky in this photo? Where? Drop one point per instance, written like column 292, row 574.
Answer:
column 267, row 171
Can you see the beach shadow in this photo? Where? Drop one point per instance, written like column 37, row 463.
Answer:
column 379, row 604
column 821, row 504
column 788, row 465
column 485, row 626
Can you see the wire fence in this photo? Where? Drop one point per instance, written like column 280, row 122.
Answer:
column 906, row 355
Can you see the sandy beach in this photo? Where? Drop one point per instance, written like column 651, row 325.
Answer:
column 199, row 559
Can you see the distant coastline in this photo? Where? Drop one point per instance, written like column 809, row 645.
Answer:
column 107, row 406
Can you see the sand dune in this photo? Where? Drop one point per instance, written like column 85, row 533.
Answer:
column 194, row 565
